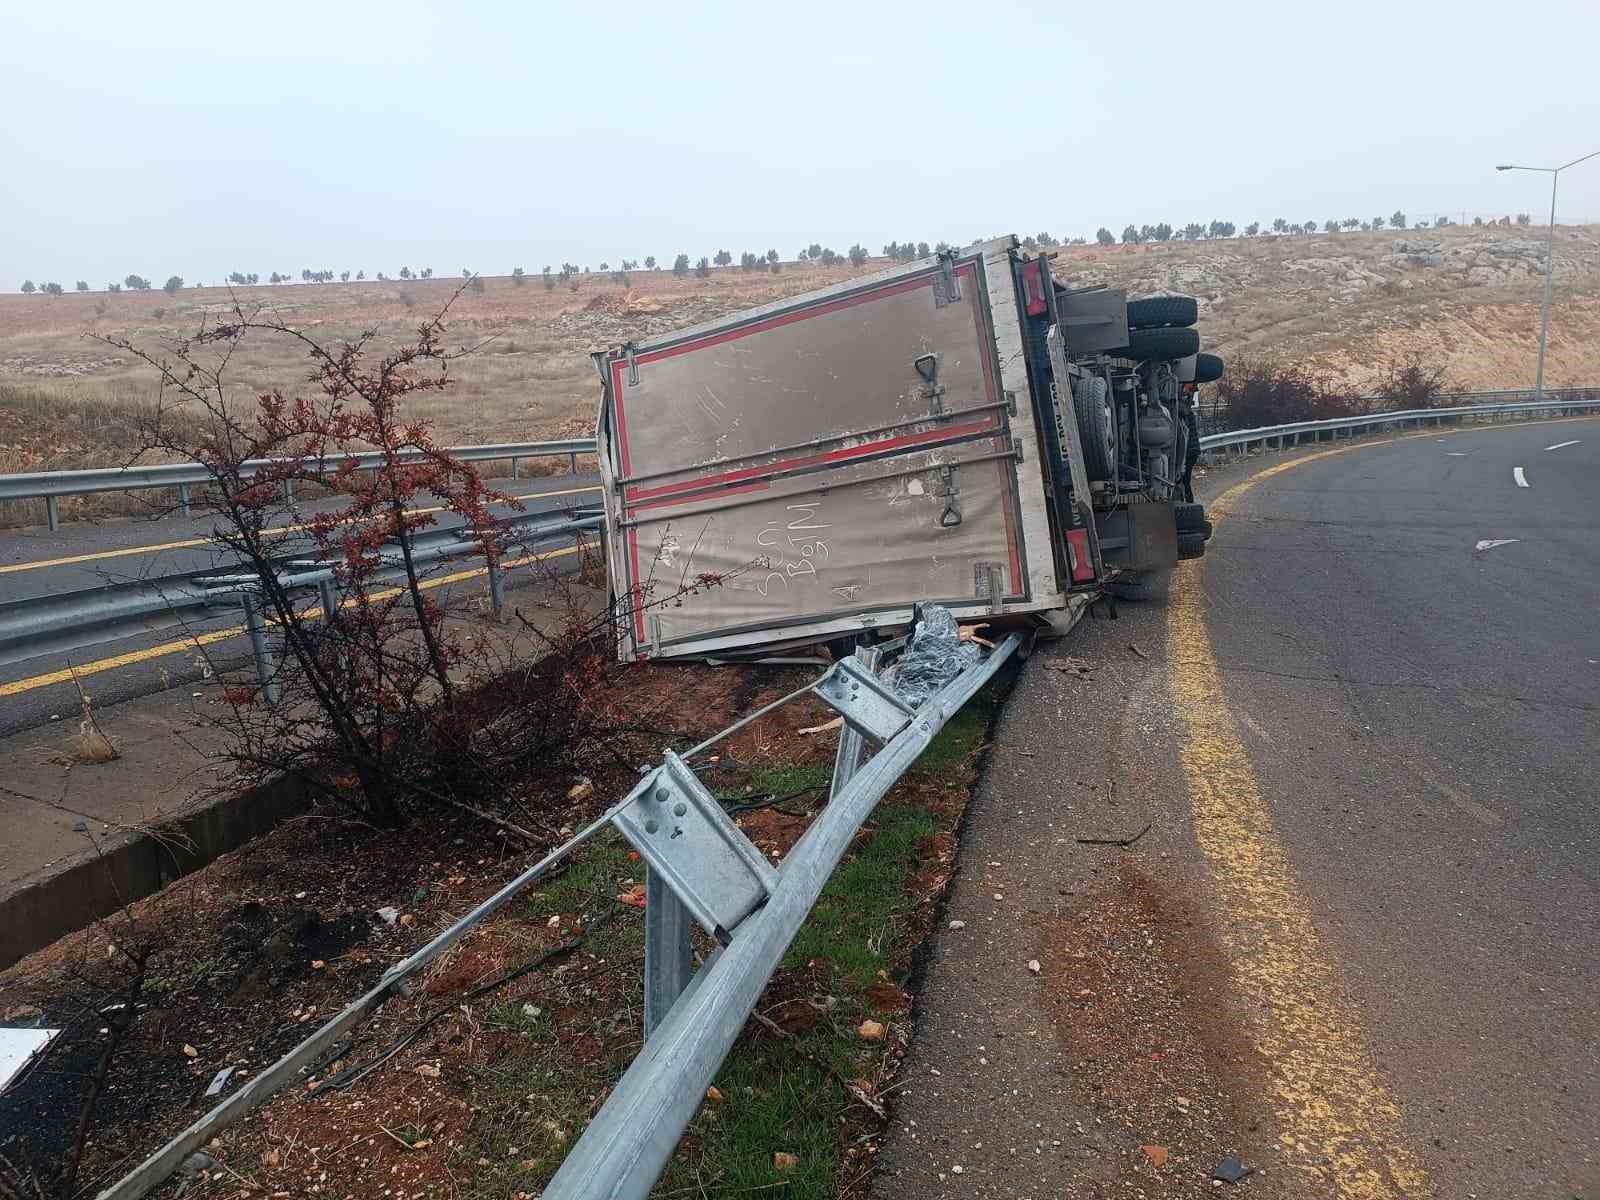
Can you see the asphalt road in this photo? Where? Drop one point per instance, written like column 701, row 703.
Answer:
column 1424, row 721
column 35, row 563
column 1359, row 946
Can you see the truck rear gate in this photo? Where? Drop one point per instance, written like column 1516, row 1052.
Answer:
column 834, row 459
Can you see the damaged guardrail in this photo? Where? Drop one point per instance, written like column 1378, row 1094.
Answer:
column 67, row 621
column 701, row 868
column 1290, row 434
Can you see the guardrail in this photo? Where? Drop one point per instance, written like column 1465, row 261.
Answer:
column 51, row 485
column 68, row 621
column 1313, row 430
column 706, row 870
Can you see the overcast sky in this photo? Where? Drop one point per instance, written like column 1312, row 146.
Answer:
column 196, row 139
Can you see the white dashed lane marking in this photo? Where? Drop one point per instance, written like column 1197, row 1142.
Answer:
column 1564, row 445
column 1516, row 473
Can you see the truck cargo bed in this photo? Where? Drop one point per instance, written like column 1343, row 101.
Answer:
column 820, row 465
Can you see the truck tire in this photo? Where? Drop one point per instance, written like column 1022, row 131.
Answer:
column 1093, row 413
column 1155, row 312
column 1207, row 368
column 1144, row 344
column 1142, row 585
column 1191, row 545
column 1191, row 518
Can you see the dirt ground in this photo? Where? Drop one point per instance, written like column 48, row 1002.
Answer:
column 1354, row 303
column 478, row 1082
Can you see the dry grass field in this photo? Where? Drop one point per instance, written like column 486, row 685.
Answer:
column 1352, row 303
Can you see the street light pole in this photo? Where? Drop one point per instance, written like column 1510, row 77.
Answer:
column 1549, row 260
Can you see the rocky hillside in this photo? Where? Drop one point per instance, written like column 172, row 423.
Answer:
column 1354, row 303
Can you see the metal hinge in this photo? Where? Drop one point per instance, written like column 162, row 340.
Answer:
column 950, row 489
column 927, row 366
column 946, row 285
column 988, row 583
column 1016, row 449
column 1011, row 402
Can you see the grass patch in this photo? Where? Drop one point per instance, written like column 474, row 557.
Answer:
column 544, row 1081
column 853, row 924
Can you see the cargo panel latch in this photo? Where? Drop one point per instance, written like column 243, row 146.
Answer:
column 950, row 490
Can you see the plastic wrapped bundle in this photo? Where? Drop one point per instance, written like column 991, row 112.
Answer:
column 935, row 656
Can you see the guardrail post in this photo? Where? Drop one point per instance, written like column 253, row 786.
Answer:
column 50, row 513
column 497, row 591
column 572, row 461
column 183, row 498
column 329, row 598
column 258, row 647
column 288, row 491
column 515, row 463
column 668, row 952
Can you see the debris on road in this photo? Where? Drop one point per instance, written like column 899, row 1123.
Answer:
column 1230, row 1170
column 1156, row 1154
column 1122, row 841
column 1033, row 965
column 1071, row 666
column 1137, row 653
column 870, row 1030
column 218, row 1082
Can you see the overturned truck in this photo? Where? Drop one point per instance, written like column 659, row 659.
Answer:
column 967, row 430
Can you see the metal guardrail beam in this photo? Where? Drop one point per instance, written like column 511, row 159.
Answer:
column 1298, row 429
column 67, row 621
column 628, row 1143
column 51, row 485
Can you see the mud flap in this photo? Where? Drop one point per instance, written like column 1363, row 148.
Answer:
column 1141, row 537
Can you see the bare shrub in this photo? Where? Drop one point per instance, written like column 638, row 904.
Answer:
column 1414, row 383
column 385, row 701
column 1257, row 393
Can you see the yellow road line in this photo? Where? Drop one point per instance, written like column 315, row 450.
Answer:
column 220, row 635
column 190, row 543
column 1339, row 1122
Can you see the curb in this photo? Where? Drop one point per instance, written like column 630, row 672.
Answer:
column 132, row 866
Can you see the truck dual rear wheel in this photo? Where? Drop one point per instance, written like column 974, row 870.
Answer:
column 1191, row 518
column 1154, row 312
column 1191, row 545
column 1146, row 344
column 1093, row 413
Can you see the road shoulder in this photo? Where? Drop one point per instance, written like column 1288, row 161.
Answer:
column 1073, row 1036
